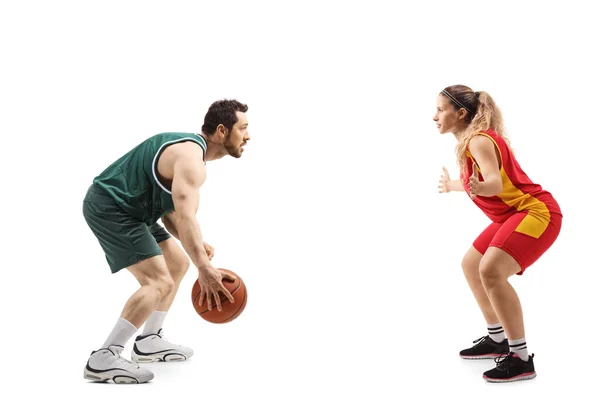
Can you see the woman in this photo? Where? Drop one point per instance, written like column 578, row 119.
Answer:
column 526, row 220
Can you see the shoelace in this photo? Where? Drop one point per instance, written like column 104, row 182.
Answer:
column 127, row 362
column 479, row 341
column 162, row 336
column 124, row 361
column 503, row 362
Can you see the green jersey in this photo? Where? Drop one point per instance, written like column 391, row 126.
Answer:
column 133, row 180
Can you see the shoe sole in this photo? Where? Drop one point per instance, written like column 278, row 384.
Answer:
column 119, row 379
column 522, row 377
column 166, row 357
column 488, row 356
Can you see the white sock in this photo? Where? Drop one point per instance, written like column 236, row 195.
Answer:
column 155, row 322
column 519, row 347
column 496, row 332
column 121, row 333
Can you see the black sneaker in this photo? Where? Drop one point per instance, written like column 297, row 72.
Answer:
column 485, row 348
column 510, row 368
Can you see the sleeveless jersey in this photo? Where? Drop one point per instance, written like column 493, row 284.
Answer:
column 133, row 180
column 519, row 193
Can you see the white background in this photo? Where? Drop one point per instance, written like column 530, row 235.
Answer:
column 331, row 217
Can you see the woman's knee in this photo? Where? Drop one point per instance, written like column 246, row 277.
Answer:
column 489, row 274
column 470, row 263
column 496, row 266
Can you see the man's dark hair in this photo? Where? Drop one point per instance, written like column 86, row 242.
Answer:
column 222, row 112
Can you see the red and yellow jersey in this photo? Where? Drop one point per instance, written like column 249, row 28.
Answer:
column 519, row 193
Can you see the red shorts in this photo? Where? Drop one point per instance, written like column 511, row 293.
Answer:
column 523, row 248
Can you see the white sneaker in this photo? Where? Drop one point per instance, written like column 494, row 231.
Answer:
column 154, row 347
column 108, row 365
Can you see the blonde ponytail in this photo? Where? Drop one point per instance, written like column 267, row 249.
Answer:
column 486, row 116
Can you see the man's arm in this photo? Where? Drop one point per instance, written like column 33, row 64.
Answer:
column 170, row 226
column 188, row 175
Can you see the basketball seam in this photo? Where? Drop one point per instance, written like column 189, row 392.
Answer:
column 235, row 314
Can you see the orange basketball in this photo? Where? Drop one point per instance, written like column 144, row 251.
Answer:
column 230, row 311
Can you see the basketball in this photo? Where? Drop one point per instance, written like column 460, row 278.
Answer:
column 230, row 311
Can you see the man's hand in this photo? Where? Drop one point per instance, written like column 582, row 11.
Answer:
column 210, row 280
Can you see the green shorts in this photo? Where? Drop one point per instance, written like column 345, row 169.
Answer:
column 124, row 239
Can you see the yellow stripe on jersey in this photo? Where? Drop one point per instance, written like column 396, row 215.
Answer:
column 538, row 217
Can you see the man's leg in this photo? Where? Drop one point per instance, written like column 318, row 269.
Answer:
column 177, row 264
column 127, row 244
column 152, row 345
column 106, row 363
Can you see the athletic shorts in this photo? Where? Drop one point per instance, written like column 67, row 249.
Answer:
column 523, row 248
column 124, row 239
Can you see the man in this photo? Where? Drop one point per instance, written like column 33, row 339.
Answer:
column 159, row 178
